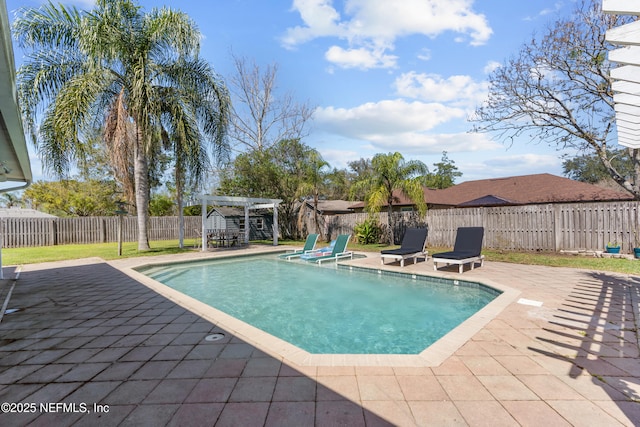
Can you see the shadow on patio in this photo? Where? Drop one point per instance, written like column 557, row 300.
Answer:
column 595, row 331
column 89, row 334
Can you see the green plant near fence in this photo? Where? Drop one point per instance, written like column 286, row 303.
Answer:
column 368, row 231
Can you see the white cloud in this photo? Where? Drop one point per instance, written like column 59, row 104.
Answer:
column 397, row 125
column 457, row 90
column 384, row 117
column 359, row 58
column 491, row 67
column 374, row 25
column 321, row 20
column 425, row 54
column 555, row 10
column 339, row 158
column 429, row 143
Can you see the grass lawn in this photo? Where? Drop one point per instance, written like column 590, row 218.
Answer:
column 109, row 251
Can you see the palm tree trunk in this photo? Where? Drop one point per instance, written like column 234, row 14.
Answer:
column 315, row 214
column 178, row 176
column 390, row 223
column 141, row 174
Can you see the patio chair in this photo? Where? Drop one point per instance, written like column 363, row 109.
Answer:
column 309, row 245
column 466, row 250
column 335, row 252
column 413, row 246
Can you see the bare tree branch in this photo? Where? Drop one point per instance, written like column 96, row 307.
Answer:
column 261, row 117
column 557, row 89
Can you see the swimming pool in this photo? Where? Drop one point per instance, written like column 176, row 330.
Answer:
column 328, row 310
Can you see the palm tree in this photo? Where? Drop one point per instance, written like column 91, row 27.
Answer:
column 313, row 182
column 390, row 172
column 138, row 74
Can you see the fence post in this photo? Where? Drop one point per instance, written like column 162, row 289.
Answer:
column 557, row 232
column 53, row 232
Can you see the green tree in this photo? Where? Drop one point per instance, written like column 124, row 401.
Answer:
column 313, row 182
column 445, row 173
column 557, row 89
column 279, row 172
column 139, row 70
column 73, row 198
column 338, row 184
column 161, row 205
column 359, row 170
column 589, row 168
column 391, row 172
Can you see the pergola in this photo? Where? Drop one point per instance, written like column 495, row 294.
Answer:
column 248, row 203
column 626, row 77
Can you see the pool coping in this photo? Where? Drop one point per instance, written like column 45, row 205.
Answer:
column 432, row 356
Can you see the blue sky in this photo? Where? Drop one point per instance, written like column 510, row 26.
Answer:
column 383, row 75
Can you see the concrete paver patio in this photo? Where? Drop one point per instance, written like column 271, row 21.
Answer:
column 91, row 335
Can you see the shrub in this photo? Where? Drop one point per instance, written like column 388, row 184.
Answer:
column 368, row 231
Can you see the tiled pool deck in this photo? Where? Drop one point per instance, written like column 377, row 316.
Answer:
column 88, row 332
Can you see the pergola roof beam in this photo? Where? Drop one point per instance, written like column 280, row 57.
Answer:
column 628, row 133
column 629, row 144
column 633, row 127
column 629, row 127
column 626, row 98
column 628, row 119
column 627, row 34
column 626, row 87
column 628, row 73
column 621, row 7
column 627, row 109
column 626, row 55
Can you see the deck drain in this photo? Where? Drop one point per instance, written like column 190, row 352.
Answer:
column 214, row 337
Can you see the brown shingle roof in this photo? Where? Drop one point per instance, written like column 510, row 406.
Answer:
column 527, row 189
column 516, row 190
column 335, row 206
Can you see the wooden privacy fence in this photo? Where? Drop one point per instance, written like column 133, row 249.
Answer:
column 548, row 227
column 22, row 232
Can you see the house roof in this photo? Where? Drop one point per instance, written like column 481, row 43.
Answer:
column 335, row 206
column 527, row 189
column 515, row 190
column 23, row 213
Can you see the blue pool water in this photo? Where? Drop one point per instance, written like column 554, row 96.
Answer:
column 328, row 310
